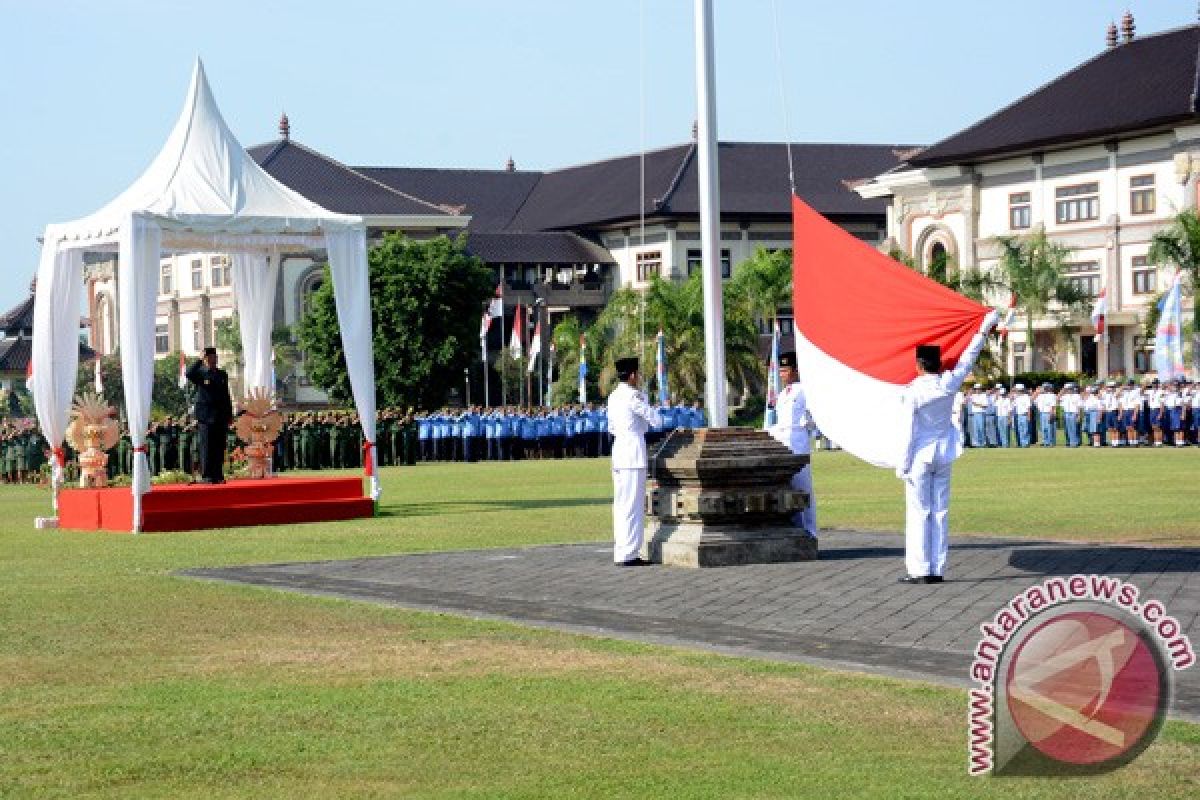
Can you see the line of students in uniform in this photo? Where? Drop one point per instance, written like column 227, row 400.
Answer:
column 1111, row 413
column 513, row 433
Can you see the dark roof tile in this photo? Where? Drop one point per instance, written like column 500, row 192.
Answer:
column 554, row 247
column 1145, row 83
column 490, row 197
column 333, row 185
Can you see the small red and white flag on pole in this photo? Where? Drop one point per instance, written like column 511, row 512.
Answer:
column 182, row 371
column 1099, row 314
column 485, row 323
column 535, row 346
column 1006, row 321
column 515, row 347
column 496, row 306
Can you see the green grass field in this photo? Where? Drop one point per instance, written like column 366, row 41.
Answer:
column 119, row 680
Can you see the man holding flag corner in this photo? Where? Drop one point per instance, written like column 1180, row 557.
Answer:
column 928, row 458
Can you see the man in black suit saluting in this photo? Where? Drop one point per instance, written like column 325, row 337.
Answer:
column 213, row 413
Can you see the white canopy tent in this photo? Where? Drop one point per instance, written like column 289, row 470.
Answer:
column 202, row 192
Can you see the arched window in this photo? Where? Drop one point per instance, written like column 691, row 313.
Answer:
column 938, row 261
column 309, row 285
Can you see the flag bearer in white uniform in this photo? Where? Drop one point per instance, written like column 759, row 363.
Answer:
column 629, row 417
column 791, row 429
column 926, row 463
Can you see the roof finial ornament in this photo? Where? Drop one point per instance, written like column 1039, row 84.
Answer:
column 510, row 165
column 285, row 127
column 695, row 130
column 1111, row 38
column 1127, row 28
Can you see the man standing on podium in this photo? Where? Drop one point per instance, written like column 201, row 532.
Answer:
column 213, row 411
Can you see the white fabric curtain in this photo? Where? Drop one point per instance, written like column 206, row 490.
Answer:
column 138, row 265
column 56, row 346
column 254, row 279
column 347, row 251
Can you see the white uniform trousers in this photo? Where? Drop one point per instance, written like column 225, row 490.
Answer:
column 629, row 508
column 926, row 522
column 806, row 519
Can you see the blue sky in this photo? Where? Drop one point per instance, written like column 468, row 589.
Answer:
column 89, row 90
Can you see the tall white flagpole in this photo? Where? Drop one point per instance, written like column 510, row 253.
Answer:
column 710, row 220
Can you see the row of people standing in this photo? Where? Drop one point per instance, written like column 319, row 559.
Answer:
column 22, row 451
column 1129, row 415
column 513, row 433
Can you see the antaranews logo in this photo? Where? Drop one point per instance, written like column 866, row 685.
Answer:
column 1074, row 676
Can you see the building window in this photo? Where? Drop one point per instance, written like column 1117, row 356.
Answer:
column 1084, row 277
column 220, row 271
column 1019, row 214
column 197, row 274
column 162, row 341
column 1018, row 364
column 164, row 284
column 649, row 264
column 197, row 336
column 308, row 289
column 1143, row 353
column 1145, row 277
column 695, row 257
column 1077, row 203
column 1141, row 194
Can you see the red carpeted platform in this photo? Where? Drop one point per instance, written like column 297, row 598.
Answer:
column 273, row 501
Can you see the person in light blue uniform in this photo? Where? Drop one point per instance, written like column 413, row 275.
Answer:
column 1071, row 403
column 425, row 436
column 990, row 430
column 489, row 434
column 977, row 403
column 1023, row 415
column 1004, row 417
column 560, row 424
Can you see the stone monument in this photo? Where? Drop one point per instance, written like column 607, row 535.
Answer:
column 722, row 496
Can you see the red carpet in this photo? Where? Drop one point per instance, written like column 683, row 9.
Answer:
column 274, row 501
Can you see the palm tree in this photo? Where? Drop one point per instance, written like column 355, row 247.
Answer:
column 677, row 309
column 763, row 283
column 1179, row 244
column 1033, row 269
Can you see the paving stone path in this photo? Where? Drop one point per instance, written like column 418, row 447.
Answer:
column 844, row 610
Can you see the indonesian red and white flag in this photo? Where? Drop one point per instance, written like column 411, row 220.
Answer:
column 535, row 345
column 496, row 306
column 1005, row 326
column 182, row 370
column 516, row 346
column 1100, row 314
column 859, row 317
column 484, row 324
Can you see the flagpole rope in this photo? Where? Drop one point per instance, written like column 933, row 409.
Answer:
column 642, row 168
column 787, row 134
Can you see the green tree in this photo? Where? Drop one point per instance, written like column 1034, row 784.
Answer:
column 762, row 284
column 1179, row 245
column 1031, row 268
column 166, row 398
column 677, row 309
column 565, row 388
column 425, row 303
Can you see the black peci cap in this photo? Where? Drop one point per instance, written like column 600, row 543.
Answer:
column 210, row 351
column 788, row 359
column 626, row 365
column 929, row 352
